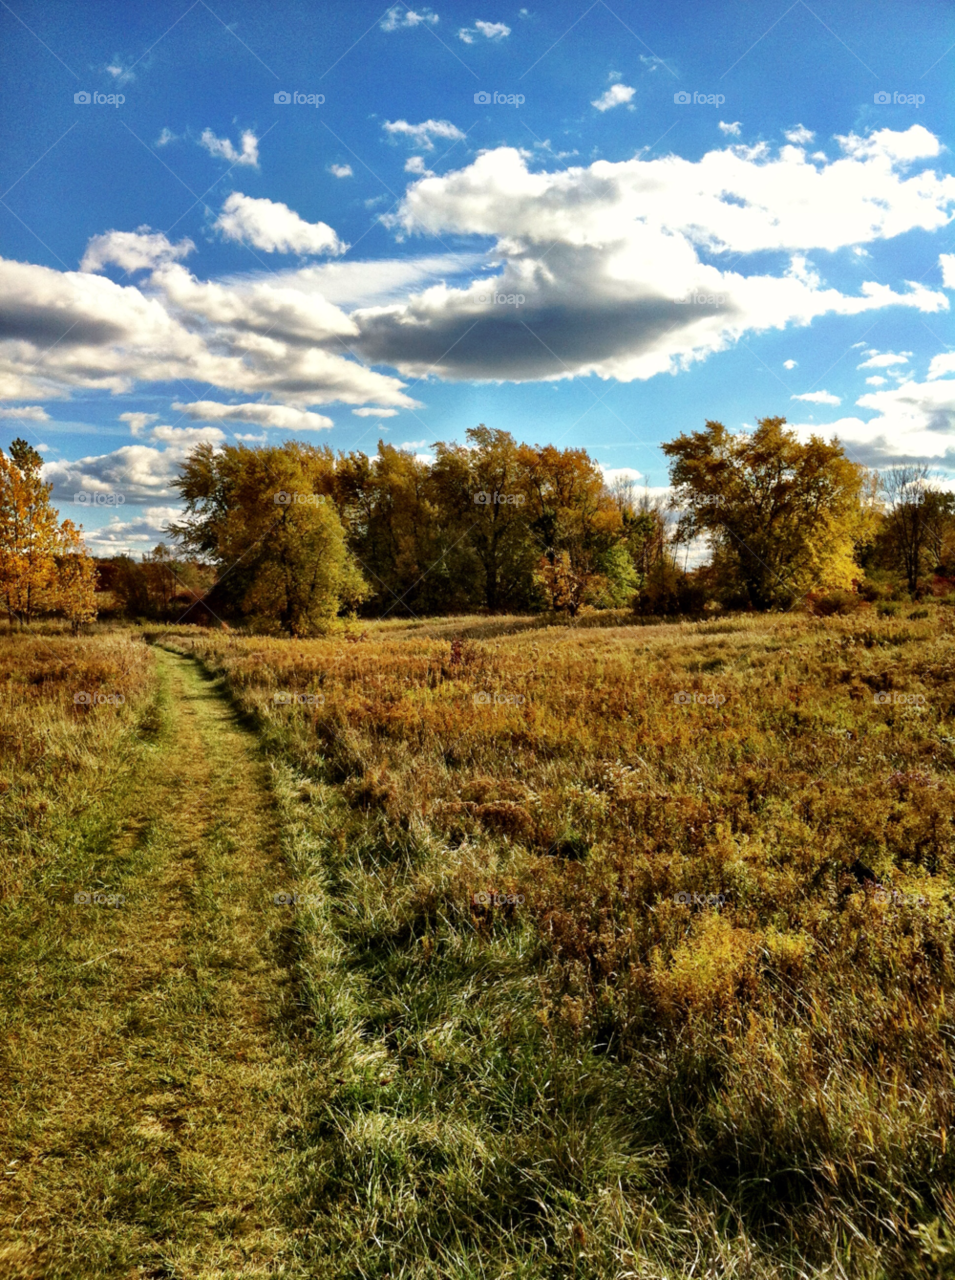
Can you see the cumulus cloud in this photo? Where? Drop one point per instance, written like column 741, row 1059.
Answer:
column 341, row 170
column 490, row 31
column 132, row 537
column 800, row 135
column 421, row 135
column 61, row 330
column 165, row 137
column 875, row 381
column 375, row 413
column 138, row 421
column 912, row 422
column 790, row 364
column 731, row 128
column 818, row 397
column 139, row 472
column 274, row 227
column 26, row 413
column 398, row 16
column 264, row 415
column 133, row 250
column 223, row 148
column 615, row 96
column 609, row 258
column 947, row 262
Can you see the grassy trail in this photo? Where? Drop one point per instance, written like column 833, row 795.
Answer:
column 145, row 1069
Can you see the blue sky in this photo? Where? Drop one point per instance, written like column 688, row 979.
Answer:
column 662, row 215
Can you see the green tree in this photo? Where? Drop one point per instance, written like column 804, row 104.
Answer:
column 782, row 517
column 481, row 491
column 278, row 544
column 917, row 533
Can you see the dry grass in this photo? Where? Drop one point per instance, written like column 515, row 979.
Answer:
column 785, row 1056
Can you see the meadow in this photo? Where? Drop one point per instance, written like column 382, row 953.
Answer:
column 624, row 949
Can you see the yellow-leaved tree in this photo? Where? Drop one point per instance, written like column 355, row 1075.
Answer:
column 783, row 517
column 44, row 565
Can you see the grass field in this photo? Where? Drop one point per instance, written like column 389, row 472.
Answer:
column 618, row 951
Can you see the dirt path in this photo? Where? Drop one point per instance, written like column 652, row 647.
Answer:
column 147, row 1071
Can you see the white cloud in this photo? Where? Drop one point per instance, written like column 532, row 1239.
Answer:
column 375, row 413
column 947, row 262
column 341, row 170
column 912, row 422
column 186, row 438
column 139, row 472
column 420, row 135
column 121, row 74
column 789, row 364
column 65, row 330
column 133, row 250
column 251, row 437
column 138, row 421
column 733, row 128
column 884, row 360
column 27, row 413
column 875, row 381
column 618, row 262
column 398, row 16
column 222, row 147
column 274, row 227
column 135, row 536
column 818, row 397
column 413, row 444
column 615, row 96
column 490, row 30
column 165, row 137
column 416, row 165
column 266, row 415
column 800, row 136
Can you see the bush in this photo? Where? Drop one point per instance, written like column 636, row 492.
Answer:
column 839, row 602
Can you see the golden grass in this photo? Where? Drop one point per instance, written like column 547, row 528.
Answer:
column 791, row 1046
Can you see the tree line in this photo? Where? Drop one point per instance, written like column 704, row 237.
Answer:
column 284, row 538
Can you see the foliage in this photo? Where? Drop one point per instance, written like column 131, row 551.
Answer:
column 44, row 565
column 278, row 543
column 783, row 518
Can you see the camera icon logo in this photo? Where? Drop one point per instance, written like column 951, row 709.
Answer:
column 682, row 97
column 881, row 98
column 682, row 698
column 281, row 96
column 482, row 499
column 883, row 698
column 482, row 97
column 82, row 97
column 283, row 499
column 83, row 699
